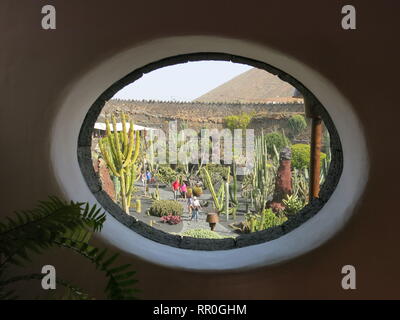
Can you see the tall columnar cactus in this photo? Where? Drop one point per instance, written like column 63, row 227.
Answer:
column 138, row 205
column 149, row 156
column 263, row 177
column 233, row 191
column 218, row 197
column 325, row 167
column 120, row 149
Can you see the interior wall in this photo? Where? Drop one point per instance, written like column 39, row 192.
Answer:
column 37, row 67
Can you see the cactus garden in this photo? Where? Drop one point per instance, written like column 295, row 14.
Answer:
column 272, row 191
column 212, row 176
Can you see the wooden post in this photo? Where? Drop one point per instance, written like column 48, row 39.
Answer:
column 315, row 165
column 315, row 152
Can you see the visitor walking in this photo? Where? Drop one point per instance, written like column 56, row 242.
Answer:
column 143, row 179
column 183, row 190
column 195, row 209
column 190, row 204
column 175, row 188
column 148, row 176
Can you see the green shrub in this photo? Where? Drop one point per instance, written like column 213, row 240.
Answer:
column 277, row 139
column 301, row 156
column 202, row 234
column 293, row 204
column 161, row 208
column 237, row 122
column 298, row 124
column 267, row 219
column 166, row 174
column 197, row 191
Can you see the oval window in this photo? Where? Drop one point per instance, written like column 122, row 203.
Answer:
column 210, row 152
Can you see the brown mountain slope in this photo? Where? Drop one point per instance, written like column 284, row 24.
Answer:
column 253, row 85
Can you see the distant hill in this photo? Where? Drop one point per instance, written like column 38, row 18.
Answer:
column 254, row 85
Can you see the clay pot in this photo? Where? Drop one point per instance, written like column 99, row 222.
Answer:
column 212, row 219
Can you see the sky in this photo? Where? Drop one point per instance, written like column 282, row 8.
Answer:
column 182, row 82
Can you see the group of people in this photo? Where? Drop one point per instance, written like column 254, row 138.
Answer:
column 192, row 201
column 177, row 187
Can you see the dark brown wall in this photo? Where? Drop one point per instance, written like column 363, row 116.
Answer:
column 36, row 65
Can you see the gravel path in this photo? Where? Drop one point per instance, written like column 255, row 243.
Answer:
column 167, row 194
column 201, row 223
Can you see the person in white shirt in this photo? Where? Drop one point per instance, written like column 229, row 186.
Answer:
column 190, row 204
column 195, row 208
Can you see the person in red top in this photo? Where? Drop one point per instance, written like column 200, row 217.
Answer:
column 183, row 190
column 175, row 187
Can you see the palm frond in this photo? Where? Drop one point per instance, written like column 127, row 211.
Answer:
column 55, row 222
column 35, row 230
column 120, row 278
column 71, row 292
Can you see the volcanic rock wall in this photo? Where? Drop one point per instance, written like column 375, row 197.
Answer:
column 269, row 116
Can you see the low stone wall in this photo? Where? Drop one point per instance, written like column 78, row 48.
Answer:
column 268, row 116
column 203, row 109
